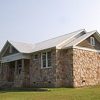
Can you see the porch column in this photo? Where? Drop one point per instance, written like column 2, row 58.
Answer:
column 1, row 72
column 22, row 65
column 23, row 72
column 16, row 67
column 23, row 69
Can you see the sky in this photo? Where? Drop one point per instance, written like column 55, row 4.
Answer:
column 33, row 21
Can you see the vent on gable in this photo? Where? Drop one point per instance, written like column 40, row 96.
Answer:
column 10, row 49
column 92, row 41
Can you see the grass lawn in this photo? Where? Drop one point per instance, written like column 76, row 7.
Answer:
column 90, row 93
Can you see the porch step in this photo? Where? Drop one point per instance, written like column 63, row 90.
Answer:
column 4, row 85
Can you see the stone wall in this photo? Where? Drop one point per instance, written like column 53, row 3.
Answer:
column 59, row 75
column 86, row 68
column 4, row 75
column 70, row 68
column 64, row 69
column 43, row 77
column 4, row 72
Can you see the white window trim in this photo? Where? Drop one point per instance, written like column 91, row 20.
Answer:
column 92, row 41
column 46, row 61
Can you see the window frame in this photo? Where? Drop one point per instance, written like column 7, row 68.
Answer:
column 92, row 41
column 42, row 60
column 46, row 60
column 35, row 57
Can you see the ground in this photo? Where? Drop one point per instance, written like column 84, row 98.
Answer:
column 89, row 93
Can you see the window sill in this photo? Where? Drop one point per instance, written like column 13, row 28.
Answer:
column 46, row 67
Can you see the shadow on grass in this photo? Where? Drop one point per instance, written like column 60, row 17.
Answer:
column 24, row 90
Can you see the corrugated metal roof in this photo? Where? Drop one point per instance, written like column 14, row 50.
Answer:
column 55, row 41
column 29, row 48
column 23, row 47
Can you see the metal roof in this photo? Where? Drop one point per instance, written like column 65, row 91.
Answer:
column 64, row 39
column 80, row 39
column 23, row 47
column 55, row 41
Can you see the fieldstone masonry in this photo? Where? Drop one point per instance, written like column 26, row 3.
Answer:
column 43, row 77
column 64, row 69
column 59, row 75
column 70, row 68
column 86, row 68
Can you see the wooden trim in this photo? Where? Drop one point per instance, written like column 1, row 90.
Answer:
column 88, row 49
column 83, row 38
column 3, row 52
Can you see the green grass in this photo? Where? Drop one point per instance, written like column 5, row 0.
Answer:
column 89, row 93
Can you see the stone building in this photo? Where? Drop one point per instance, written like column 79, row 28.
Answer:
column 71, row 60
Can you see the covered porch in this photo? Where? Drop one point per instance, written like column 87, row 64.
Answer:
column 15, row 70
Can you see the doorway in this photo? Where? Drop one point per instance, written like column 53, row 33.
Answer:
column 11, row 72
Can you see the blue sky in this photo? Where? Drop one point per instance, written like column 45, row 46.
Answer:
column 36, row 20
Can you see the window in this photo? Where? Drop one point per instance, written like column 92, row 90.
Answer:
column 46, row 59
column 35, row 57
column 92, row 41
column 49, row 58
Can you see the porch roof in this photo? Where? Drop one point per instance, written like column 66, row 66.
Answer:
column 15, row 57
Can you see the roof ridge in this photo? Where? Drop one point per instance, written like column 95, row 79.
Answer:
column 45, row 40
column 92, row 31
